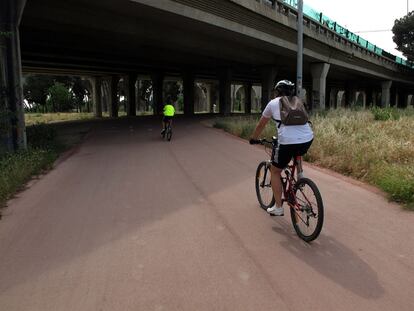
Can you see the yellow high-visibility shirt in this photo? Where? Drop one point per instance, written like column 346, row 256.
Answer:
column 169, row 110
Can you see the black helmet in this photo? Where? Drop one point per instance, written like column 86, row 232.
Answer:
column 285, row 86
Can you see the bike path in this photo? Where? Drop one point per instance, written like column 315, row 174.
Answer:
column 130, row 222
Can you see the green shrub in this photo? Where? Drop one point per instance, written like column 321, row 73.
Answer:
column 398, row 182
column 41, row 136
column 385, row 114
column 17, row 168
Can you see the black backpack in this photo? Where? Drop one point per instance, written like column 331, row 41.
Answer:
column 293, row 111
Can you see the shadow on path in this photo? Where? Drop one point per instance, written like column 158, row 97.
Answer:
column 335, row 261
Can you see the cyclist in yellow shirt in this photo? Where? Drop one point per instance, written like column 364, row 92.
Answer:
column 169, row 112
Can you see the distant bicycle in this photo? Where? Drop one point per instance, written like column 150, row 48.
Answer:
column 167, row 134
column 301, row 194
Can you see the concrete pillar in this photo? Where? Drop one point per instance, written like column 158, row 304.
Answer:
column 328, row 97
column 333, row 98
column 6, row 133
column 114, row 106
column 386, row 93
column 248, row 94
column 225, row 91
column 393, row 96
column 157, row 87
column 103, row 92
column 410, row 99
column 188, row 85
column 14, row 136
column 209, row 97
column 97, row 97
column 369, row 97
column 350, row 96
column 268, row 77
column 319, row 73
column 402, row 99
column 132, row 99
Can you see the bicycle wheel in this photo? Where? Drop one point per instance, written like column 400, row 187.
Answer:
column 307, row 216
column 263, row 186
column 169, row 133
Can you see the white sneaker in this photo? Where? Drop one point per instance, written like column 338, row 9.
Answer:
column 276, row 211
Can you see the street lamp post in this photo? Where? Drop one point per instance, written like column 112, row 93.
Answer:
column 299, row 64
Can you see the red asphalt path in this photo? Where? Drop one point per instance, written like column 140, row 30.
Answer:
column 130, row 222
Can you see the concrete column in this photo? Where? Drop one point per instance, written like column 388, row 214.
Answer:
column 319, row 73
column 350, row 96
column 209, row 104
column 402, row 99
column 14, row 137
column 114, row 107
column 248, row 94
column 106, row 96
column 103, row 92
column 6, row 133
column 188, row 85
column 393, row 96
column 97, row 96
column 157, row 87
column 268, row 77
column 410, row 99
column 328, row 97
column 386, row 93
column 333, row 98
column 132, row 99
column 137, row 91
column 225, row 91
column 369, row 97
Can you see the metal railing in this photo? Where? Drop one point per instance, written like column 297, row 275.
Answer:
column 324, row 21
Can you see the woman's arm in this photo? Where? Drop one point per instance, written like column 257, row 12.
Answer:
column 259, row 127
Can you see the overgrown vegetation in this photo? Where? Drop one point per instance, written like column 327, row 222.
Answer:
column 37, row 118
column 48, row 118
column 375, row 146
column 17, row 168
column 45, row 143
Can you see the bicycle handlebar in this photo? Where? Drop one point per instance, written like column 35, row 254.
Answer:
column 260, row 141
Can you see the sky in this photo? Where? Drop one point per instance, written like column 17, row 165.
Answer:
column 365, row 15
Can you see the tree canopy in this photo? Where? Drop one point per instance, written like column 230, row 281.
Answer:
column 55, row 93
column 404, row 35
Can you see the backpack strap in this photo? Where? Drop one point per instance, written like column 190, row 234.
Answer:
column 279, row 122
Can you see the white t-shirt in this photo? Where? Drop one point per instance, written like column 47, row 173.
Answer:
column 291, row 134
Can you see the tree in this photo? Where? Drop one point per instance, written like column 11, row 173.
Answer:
column 60, row 98
column 35, row 90
column 404, row 35
column 80, row 92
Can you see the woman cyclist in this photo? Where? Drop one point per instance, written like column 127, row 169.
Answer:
column 293, row 140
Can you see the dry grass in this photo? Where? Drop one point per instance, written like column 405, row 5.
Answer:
column 35, row 118
column 47, row 118
column 355, row 144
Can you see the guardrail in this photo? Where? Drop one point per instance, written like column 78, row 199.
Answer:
column 322, row 23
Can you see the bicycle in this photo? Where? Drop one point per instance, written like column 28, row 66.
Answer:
column 301, row 194
column 167, row 134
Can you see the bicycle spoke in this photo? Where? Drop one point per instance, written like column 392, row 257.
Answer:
column 306, row 211
column 263, row 186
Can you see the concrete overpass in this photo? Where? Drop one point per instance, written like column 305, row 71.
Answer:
column 244, row 42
